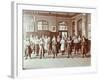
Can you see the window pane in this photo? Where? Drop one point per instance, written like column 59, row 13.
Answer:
column 39, row 27
column 45, row 27
column 39, row 23
column 42, row 25
column 62, row 26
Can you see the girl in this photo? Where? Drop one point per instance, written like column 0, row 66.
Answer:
column 62, row 42
column 54, row 45
column 69, row 46
column 41, row 49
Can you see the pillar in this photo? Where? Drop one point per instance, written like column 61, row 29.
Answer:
column 76, row 32
column 84, row 25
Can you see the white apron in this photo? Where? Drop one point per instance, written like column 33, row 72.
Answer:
column 62, row 45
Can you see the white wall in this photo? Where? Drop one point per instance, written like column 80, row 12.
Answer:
column 5, row 40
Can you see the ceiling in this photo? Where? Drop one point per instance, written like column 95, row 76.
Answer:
column 48, row 13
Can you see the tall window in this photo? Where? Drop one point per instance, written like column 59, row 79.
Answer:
column 63, row 28
column 62, row 25
column 28, row 23
column 42, row 25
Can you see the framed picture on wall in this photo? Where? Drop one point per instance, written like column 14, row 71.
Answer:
column 40, row 48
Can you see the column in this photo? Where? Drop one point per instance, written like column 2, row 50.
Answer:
column 34, row 21
column 89, row 26
column 76, row 32
column 84, row 25
column 69, row 27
